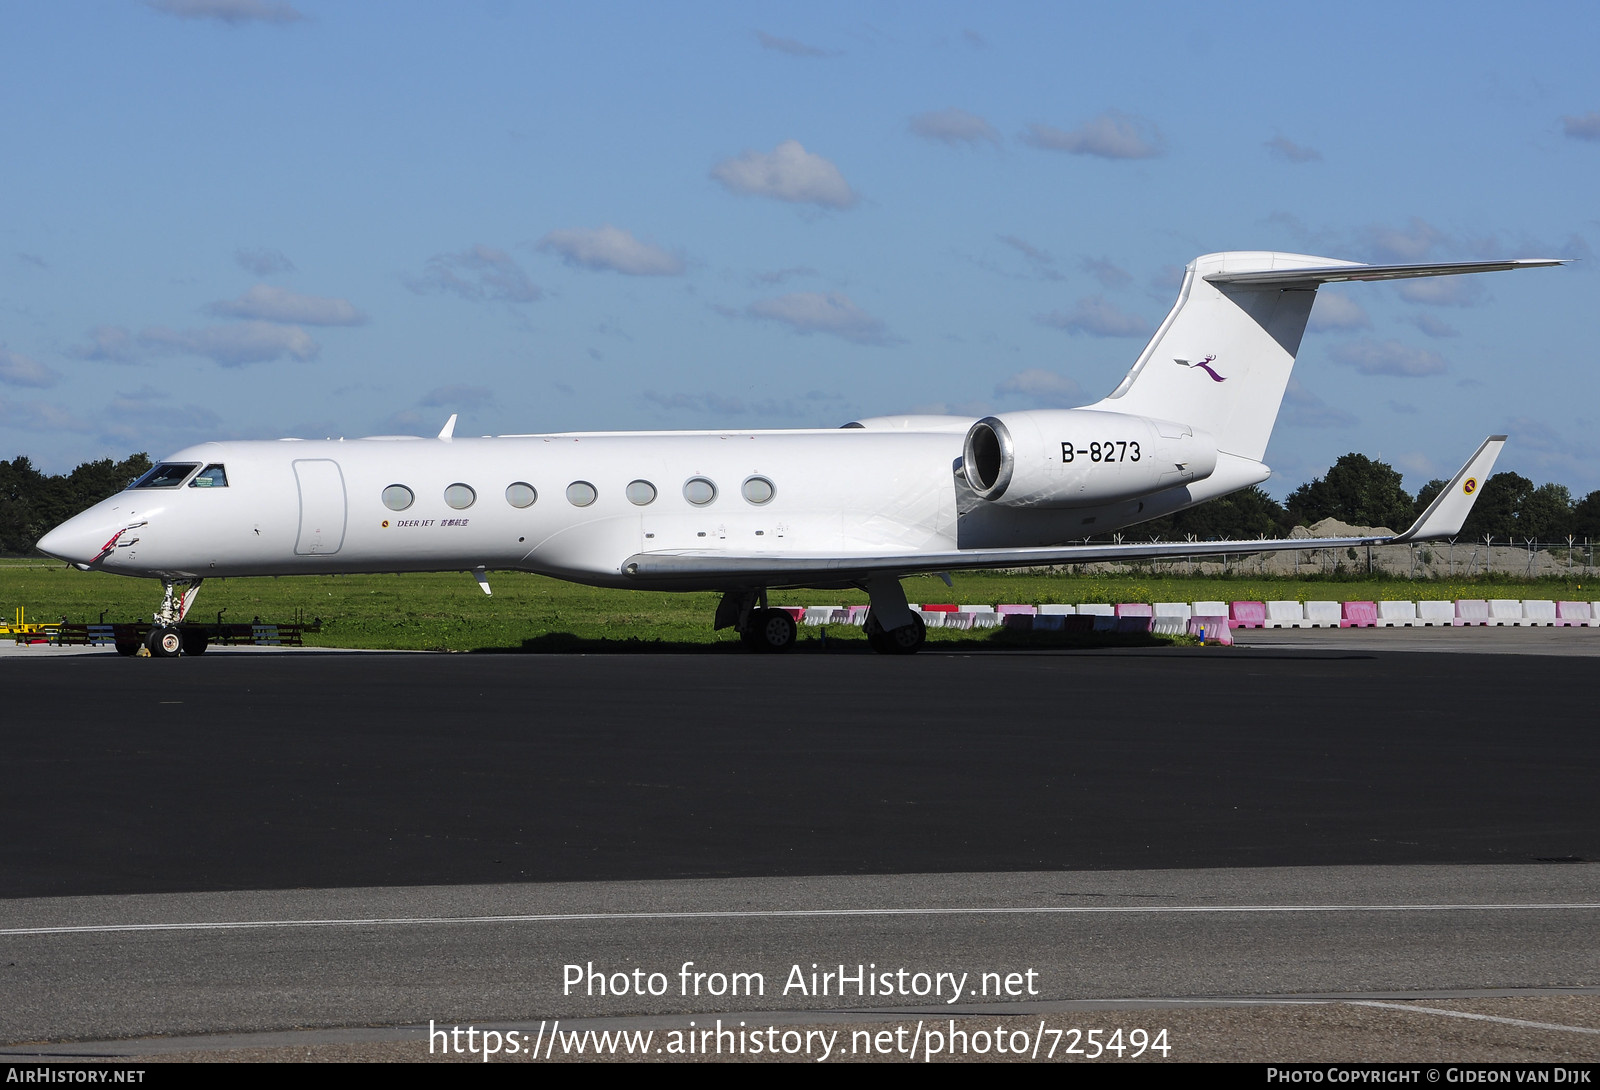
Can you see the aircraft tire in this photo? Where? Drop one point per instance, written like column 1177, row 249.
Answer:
column 907, row 639
column 164, row 642
column 774, row 631
column 195, row 641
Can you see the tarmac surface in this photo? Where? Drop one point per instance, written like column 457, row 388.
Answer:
column 231, row 849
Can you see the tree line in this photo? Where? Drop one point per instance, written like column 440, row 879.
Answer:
column 1359, row 491
column 1356, row 490
column 33, row 503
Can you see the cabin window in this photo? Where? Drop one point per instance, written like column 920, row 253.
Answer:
column 460, row 496
column 758, row 490
column 581, row 493
column 166, row 475
column 212, row 476
column 397, row 497
column 521, row 494
column 699, row 491
column 641, row 493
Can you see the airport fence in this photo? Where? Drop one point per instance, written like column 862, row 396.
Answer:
column 1457, row 558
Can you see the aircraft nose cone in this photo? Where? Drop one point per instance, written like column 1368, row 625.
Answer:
column 73, row 541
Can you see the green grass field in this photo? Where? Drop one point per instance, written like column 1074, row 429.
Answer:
column 529, row 612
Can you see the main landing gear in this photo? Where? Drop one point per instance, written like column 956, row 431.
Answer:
column 760, row 628
column 893, row 627
column 170, row 637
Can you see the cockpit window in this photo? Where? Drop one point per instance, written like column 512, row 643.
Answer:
column 166, row 475
column 212, row 476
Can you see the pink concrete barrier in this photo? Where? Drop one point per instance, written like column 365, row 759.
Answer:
column 1134, row 609
column 1248, row 615
column 1211, row 629
column 1359, row 615
column 1572, row 614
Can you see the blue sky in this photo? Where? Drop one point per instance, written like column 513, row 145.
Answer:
column 257, row 218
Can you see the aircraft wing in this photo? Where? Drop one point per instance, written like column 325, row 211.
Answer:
column 1442, row 519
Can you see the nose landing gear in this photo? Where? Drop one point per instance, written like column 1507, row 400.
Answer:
column 169, row 638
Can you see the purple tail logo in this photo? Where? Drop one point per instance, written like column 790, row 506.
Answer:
column 1205, row 365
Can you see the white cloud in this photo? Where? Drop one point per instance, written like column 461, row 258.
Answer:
column 263, row 262
column 232, row 12
column 1333, row 311
column 611, row 248
column 814, row 312
column 20, row 370
column 789, row 46
column 1584, row 127
column 788, row 173
column 235, row 345
column 111, row 343
column 1413, row 242
column 269, row 304
column 780, row 275
column 1432, row 326
column 1443, row 291
column 1304, row 409
column 1112, row 135
column 1109, row 275
column 1098, row 318
column 40, row 416
column 1372, row 357
column 807, row 408
column 479, row 273
column 1043, row 387
column 954, row 126
column 1287, row 149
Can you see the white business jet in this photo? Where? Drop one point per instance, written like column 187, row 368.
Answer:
column 741, row 512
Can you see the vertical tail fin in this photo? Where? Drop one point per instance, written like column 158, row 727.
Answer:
column 1222, row 358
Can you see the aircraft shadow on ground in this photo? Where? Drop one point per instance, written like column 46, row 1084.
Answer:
column 567, row 643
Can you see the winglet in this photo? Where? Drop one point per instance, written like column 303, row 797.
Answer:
column 1450, row 508
column 449, row 429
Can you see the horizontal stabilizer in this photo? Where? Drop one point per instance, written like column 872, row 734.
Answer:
column 1327, row 274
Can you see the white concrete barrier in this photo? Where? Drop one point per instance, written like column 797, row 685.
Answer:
column 1439, row 613
column 816, row 615
column 1505, row 611
column 1397, row 614
column 1054, row 610
column 1285, row 615
column 1472, row 611
column 1538, row 612
column 1096, row 609
column 1209, row 609
column 1323, row 614
column 1180, row 610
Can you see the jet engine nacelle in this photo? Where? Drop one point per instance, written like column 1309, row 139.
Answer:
column 1081, row 457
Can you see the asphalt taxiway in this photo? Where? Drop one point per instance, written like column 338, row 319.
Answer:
column 251, row 842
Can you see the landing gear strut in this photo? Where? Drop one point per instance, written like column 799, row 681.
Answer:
column 168, row 639
column 759, row 628
column 893, row 627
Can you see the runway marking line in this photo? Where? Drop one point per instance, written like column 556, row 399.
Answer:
column 1468, row 1014
column 796, row 913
